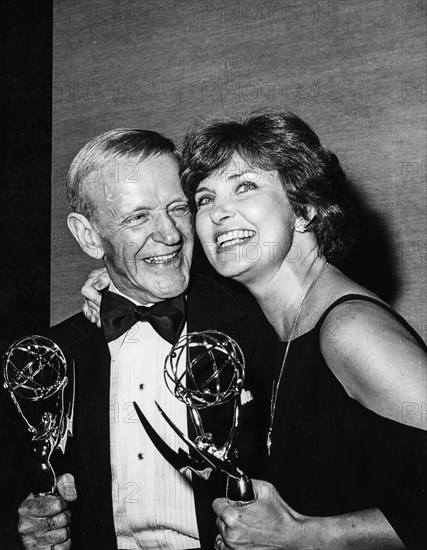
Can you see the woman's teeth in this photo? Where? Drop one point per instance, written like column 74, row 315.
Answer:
column 233, row 237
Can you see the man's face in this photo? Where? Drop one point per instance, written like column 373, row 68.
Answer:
column 145, row 227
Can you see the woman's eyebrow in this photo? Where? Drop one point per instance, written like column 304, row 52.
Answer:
column 242, row 173
column 201, row 189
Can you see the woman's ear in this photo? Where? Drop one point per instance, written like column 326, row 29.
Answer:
column 311, row 213
column 86, row 235
column 302, row 223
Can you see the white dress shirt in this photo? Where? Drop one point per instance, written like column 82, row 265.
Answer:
column 153, row 504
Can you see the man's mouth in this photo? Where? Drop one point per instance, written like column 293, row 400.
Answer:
column 237, row 236
column 161, row 259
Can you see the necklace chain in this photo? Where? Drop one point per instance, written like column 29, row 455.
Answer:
column 275, row 387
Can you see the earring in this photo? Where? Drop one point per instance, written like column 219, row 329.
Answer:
column 301, row 225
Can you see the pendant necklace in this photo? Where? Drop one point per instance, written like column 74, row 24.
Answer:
column 275, row 387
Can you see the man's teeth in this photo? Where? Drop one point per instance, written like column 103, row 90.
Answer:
column 233, row 237
column 160, row 259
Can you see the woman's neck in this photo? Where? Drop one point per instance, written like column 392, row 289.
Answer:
column 281, row 297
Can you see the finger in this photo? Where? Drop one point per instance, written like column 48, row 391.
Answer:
column 46, row 531
column 219, row 505
column 93, row 309
column 218, row 543
column 59, row 521
column 63, row 546
column 90, row 292
column 51, row 538
column 102, row 281
column 41, row 507
column 261, row 487
column 67, row 487
column 244, row 503
column 95, row 273
column 220, row 525
column 98, row 279
column 87, row 312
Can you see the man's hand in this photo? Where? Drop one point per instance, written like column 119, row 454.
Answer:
column 44, row 522
column 91, row 290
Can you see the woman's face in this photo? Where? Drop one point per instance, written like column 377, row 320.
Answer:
column 244, row 221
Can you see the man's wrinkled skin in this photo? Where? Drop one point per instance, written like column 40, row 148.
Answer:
column 44, row 521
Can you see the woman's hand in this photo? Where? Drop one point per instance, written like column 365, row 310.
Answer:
column 267, row 523
column 91, row 290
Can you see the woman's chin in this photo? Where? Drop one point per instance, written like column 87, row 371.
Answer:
column 231, row 269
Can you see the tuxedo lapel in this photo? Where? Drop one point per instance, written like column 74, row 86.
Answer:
column 88, row 450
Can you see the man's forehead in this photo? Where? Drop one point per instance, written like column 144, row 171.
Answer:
column 128, row 181
column 118, row 171
column 134, row 168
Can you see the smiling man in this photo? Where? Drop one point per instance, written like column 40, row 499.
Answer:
column 134, row 214
column 128, row 208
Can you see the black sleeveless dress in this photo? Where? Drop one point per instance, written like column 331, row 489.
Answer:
column 330, row 455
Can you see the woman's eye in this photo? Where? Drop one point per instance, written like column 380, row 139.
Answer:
column 246, row 186
column 203, row 200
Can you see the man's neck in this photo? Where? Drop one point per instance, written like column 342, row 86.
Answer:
column 127, row 295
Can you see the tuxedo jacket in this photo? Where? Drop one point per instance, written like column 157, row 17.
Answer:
column 210, row 305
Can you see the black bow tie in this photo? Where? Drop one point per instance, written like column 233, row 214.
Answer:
column 118, row 314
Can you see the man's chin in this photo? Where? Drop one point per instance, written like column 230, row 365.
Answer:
column 169, row 289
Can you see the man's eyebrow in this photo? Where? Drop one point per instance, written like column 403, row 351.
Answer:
column 137, row 209
column 141, row 208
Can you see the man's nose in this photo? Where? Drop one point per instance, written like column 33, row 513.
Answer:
column 165, row 230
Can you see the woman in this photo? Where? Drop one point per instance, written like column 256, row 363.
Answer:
column 346, row 466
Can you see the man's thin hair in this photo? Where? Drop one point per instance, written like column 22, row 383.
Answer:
column 116, row 144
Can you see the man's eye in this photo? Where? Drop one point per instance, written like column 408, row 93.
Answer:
column 203, row 200
column 137, row 219
column 246, row 186
column 180, row 210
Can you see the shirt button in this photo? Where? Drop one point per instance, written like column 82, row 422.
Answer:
column 140, row 456
column 141, row 387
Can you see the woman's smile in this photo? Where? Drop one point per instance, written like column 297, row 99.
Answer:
column 243, row 215
column 233, row 237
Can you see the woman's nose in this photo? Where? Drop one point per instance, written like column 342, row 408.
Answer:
column 221, row 212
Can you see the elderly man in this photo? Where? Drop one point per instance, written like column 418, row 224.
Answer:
column 128, row 208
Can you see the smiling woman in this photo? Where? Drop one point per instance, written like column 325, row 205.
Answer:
column 347, row 467
column 244, row 220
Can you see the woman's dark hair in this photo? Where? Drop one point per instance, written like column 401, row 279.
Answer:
column 311, row 175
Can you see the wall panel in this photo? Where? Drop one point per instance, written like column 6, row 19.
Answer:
column 355, row 70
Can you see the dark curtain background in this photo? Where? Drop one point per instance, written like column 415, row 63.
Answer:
column 26, row 122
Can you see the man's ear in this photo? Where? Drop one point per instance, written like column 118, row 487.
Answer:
column 86, row 235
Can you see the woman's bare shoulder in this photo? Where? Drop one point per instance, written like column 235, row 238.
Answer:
column 373, row 354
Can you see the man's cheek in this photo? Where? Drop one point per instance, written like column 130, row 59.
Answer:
column 130, row 251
